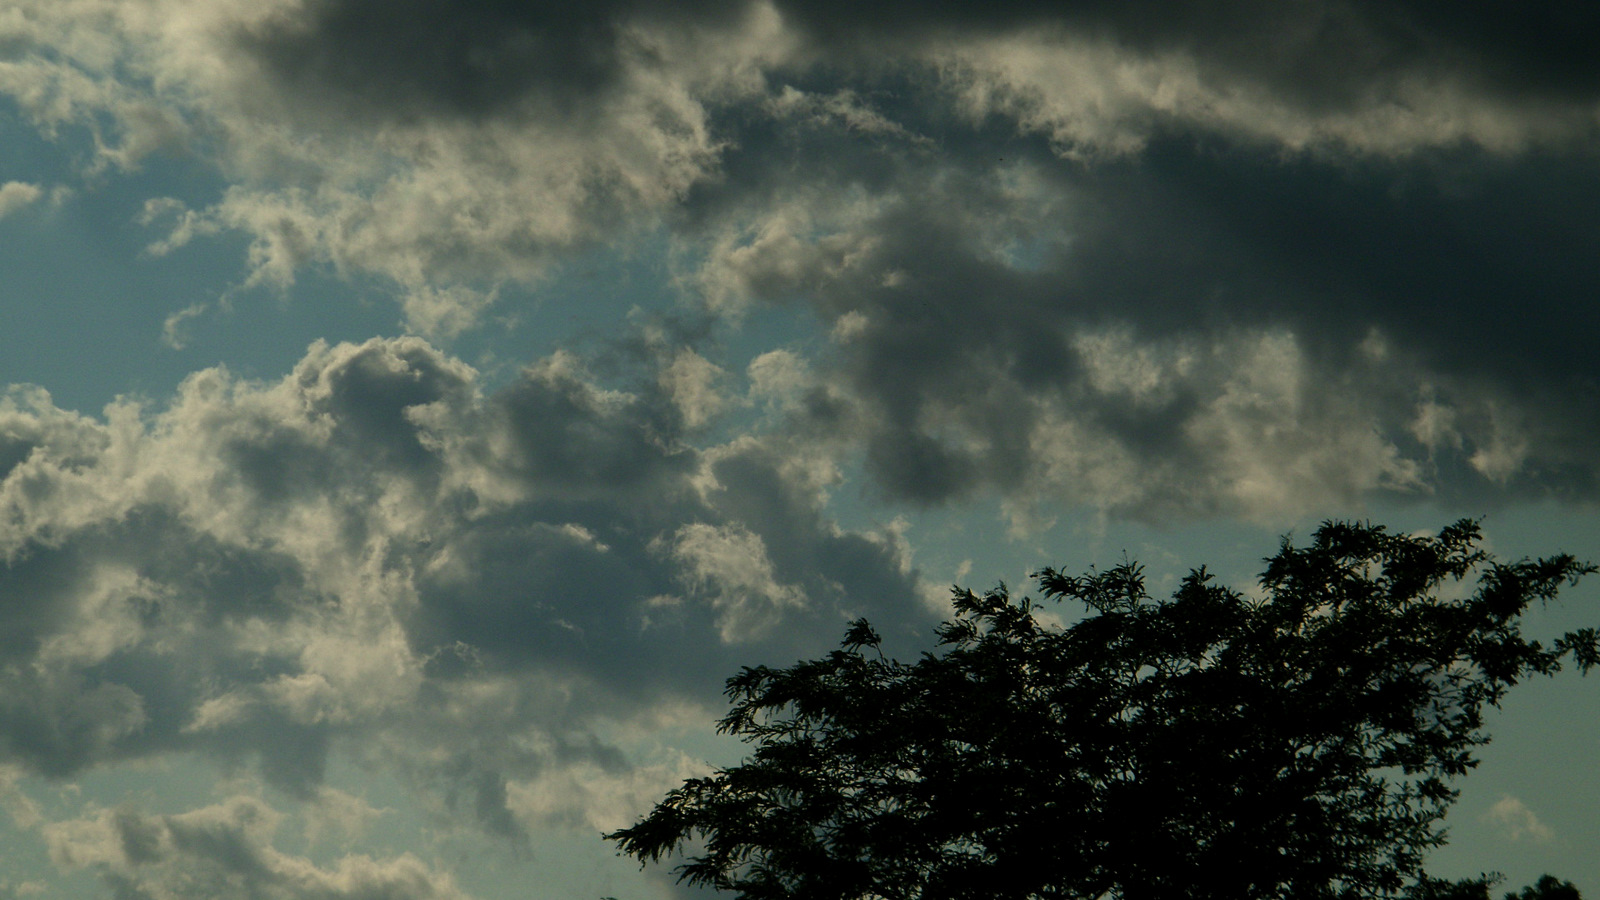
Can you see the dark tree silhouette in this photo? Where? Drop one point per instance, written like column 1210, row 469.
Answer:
column 1214, row 745
column 1547, row 888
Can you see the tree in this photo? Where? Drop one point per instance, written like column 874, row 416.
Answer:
column 1547, row 888
column 1214, row 745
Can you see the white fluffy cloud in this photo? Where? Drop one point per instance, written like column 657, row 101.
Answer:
column 732, row 565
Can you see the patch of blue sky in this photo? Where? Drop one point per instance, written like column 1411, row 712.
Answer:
column 85, row 304
column 582, row 305
column 1545, row 740
column 1029, row 254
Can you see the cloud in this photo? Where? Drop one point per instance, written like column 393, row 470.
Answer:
column 226, row 850
column 1093, row 97
column 690, row 380
column 1365, row 76
column 1517, row 821
column 1090, row 254
column 1248, row 259
column 372, row 556
column 448, row 149
column 731, row 564
column 591, row 797
column 15, row 195
column 1197, row 332
column 1169, row 262
column 510, row 136
column 174, row 329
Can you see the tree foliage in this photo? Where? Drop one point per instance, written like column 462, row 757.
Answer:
column 1297, row 744
column 1546, row 888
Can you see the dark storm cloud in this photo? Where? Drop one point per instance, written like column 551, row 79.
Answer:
column 1479, row 272
column 1327, row 53
column 481, row 57
column 1478, row 263
column 584, row 573
column 571, row 440
column 90, row 682
column 452, row 147
column 1354, row 176
column 1441, row 301
column 436, row 57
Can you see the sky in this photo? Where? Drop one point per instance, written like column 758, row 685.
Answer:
column 416, row 409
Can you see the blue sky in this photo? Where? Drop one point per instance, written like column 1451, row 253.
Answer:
column 417, row 409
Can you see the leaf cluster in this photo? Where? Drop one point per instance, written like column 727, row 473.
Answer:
column 1301, row 743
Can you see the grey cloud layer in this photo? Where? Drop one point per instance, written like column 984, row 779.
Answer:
column 1195, row 330
column 1402, row 194
column 371, row 555
column 1325, row 52
column 1096, row 77
column 449, row 147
